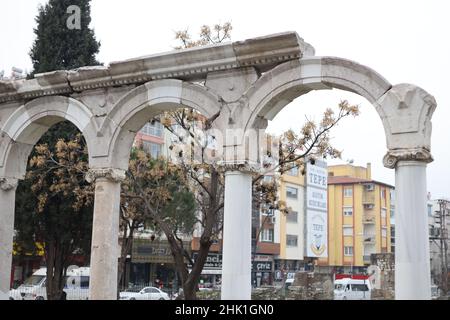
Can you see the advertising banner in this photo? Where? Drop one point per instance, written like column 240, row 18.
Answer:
column 316, row 222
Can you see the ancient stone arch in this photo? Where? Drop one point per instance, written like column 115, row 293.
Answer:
column 132, row 111
column 23, row 128
column 240, row 86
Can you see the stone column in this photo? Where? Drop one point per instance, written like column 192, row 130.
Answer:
column 237, row 234
column 7, row 206
column 412, row 249
column 105, row 233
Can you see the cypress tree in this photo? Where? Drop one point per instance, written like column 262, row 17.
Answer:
column 57, row 47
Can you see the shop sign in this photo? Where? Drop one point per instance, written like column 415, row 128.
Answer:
column 213, row 261
column 262, row 266
column 147, row 251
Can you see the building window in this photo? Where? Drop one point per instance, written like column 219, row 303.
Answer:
column 291, row 192
column 348, row 251
column 291, row 240
column 348, row 211
column 267, row 211
column 293, row 172
column 347, row 231
column 392, row 212
column 430, row 210
column 384, row 232
column 292, row 217
column 84, row 282
column 383, row 193
column 392, row 195
column 348, row 192
column 155, row 129
column 153, row 149
column 176, row 128
column 383, row 213
column 266, row 235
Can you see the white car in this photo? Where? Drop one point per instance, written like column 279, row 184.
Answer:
column 76, row 286
column 147, row 293
column 352, row 289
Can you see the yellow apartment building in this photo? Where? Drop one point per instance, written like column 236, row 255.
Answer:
column 358, row 218
column 289, row 229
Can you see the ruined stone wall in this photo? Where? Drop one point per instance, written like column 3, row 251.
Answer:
column 385, row 263
column 306, row 286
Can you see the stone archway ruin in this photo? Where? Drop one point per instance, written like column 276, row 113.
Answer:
column 245, row 84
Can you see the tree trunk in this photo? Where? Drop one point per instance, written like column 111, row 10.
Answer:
column 127, row 242
column 55, row 271
column 197, row 268
column 211, row 208
column 181, row 267
column 211, row 213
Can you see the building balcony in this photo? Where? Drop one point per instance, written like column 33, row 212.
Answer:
column 369, row 219
column 268, row 248
column 369, row 239
column 368, row 198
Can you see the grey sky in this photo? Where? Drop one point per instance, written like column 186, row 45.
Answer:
column 405, row 41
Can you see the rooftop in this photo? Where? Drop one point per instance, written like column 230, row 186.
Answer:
column 351, row 180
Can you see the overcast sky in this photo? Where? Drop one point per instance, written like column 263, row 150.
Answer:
column 405, row 41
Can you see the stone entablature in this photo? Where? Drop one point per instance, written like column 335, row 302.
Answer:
column 189, row 64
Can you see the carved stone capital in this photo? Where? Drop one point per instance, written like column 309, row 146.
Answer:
column 7, row 184
column 392, row 157
column 406, row 112
column 240, row 165
column 115, row 175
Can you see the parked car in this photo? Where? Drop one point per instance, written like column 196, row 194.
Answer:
column 147, row 293
column 205, row 289
column 76, row 287
column 352, row 289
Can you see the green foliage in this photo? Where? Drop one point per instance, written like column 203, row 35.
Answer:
column 56, row 46
column 181, row 211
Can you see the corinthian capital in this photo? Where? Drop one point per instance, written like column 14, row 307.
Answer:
column 392, row 157
column 243, row 166
column 406, row 112
column 8, row 183
column 115, row 175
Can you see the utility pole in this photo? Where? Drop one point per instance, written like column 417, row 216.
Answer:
column 440, row 219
